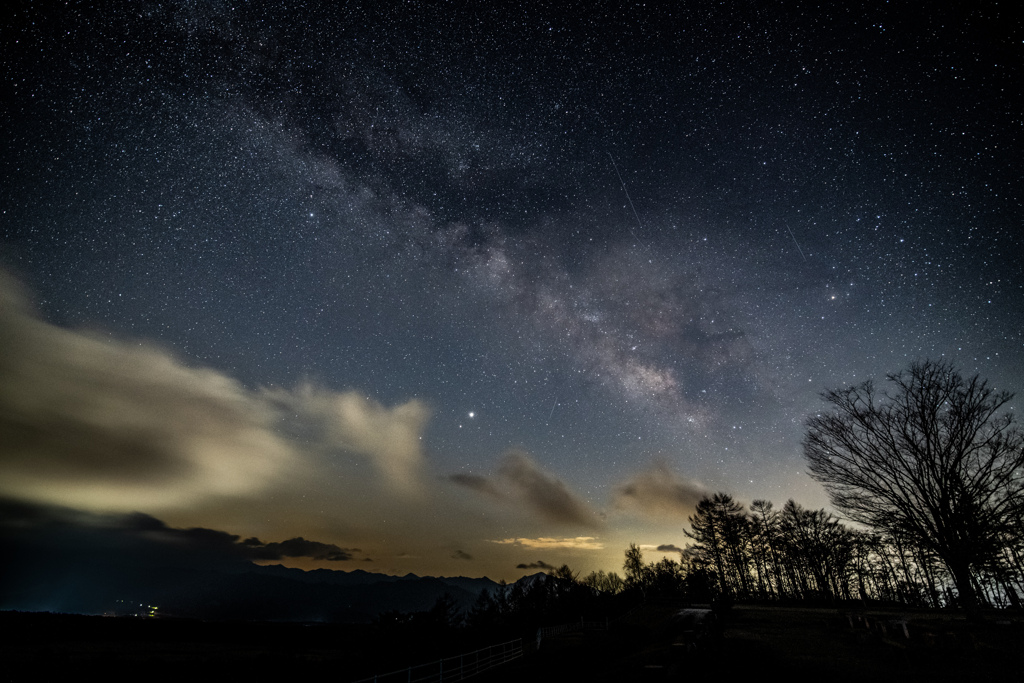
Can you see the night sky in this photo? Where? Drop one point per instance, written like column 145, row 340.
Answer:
column 454, row 289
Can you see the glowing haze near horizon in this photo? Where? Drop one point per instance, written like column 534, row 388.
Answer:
column 456, row 289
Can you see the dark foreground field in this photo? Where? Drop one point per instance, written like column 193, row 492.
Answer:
column 799, row 643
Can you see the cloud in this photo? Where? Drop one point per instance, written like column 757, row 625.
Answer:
column 104, row 424
column 97, row 423
column 669, row 548
column 58, row 524
column 659, row 492
column 522, row 481
column 351, row 422
column 296, row 547
column 539, row 564
column 546, row 494
column 577, row 543
column 461, row 555
column 476, row 483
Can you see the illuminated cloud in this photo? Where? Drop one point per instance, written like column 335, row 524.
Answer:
column 577, row 543
column 108, row 425
column 659, row 492
column 520, row 480
column 351, row 422
column 103, row 424
column 96, row 423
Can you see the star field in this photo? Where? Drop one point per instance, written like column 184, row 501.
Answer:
column 499, row 267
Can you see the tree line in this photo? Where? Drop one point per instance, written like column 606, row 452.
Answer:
column 931, row 470
column 795, row 553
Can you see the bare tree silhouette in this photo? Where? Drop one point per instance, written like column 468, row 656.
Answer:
column 935, row 460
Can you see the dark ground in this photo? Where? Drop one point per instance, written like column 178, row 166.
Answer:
column 801, row 643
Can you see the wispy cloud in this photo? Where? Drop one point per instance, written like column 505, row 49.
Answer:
column 476, row 482
column 106, row 424
column 521, row 480
column 351, row 422
column 545, row 493
column 115, row 426
column 577, row 543
column 539, row 564
column 660, row 492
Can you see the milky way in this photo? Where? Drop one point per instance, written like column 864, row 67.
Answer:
column 635, row 243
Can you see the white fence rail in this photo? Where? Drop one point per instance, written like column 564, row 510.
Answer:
column 455, row 668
